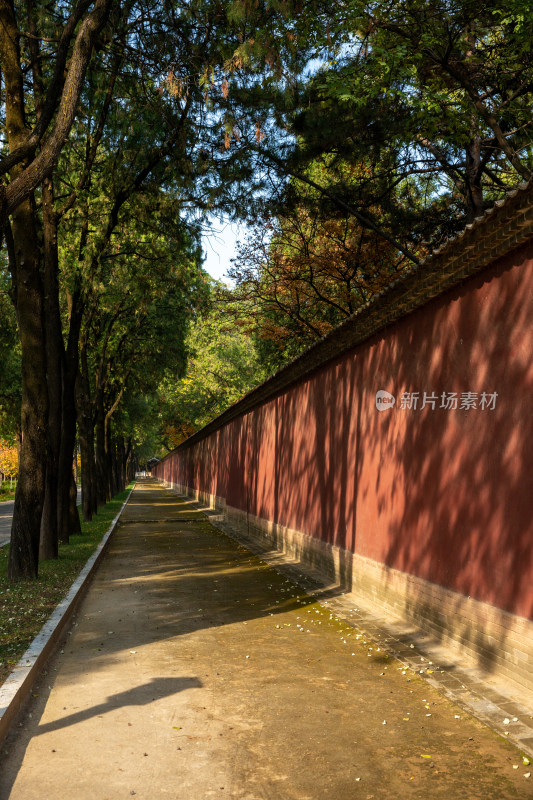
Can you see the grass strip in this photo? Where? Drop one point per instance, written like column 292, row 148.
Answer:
column 25, row 606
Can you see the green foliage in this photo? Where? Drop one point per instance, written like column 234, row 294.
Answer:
column 128, row 241
column 140, row 310
column 10, row 373
column 306, row 269
column 374, row 129
column 411, row 119
column 222, row 366
column 435, row 93
column 433, row 98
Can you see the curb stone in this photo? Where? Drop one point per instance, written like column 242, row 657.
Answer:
column 17, row 686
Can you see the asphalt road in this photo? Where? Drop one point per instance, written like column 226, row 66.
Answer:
column 6, row 513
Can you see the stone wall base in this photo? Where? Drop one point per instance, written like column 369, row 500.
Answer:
column 496, row 642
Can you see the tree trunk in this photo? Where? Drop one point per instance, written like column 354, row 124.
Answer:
column 101, row 466
column 87, row 488
column 27, row 294
column 66, row 520
column 474, row 189
column 48, row 546
column 129, row 465
column 112, row 461
column 121, row 463
column 74, row 523
column 109, row 462
column 26, row 171
column 29, row 495
column 86, row 437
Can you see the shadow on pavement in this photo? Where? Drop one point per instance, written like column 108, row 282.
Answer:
column 288, row 707
column 140, row 696
column 173, row 576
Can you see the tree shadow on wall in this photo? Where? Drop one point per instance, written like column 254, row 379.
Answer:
column 439, row 493
column 450, row 489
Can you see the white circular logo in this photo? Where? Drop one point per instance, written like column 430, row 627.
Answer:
column 384, row 400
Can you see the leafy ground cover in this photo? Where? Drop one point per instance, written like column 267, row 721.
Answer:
column 6, row 493
column 25, row 606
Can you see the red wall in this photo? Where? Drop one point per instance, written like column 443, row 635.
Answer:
column 441, row 494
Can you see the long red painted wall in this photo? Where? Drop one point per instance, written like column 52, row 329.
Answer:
column 444, row 494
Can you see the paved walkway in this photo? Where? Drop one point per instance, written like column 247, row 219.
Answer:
column 195, row 671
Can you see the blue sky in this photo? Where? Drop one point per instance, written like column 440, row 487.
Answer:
column 219, row 246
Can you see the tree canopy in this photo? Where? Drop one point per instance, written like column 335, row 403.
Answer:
column 222, row 366
column 387, row 124
column 352, row 137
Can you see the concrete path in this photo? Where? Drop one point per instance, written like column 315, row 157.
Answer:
column 195, row 671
